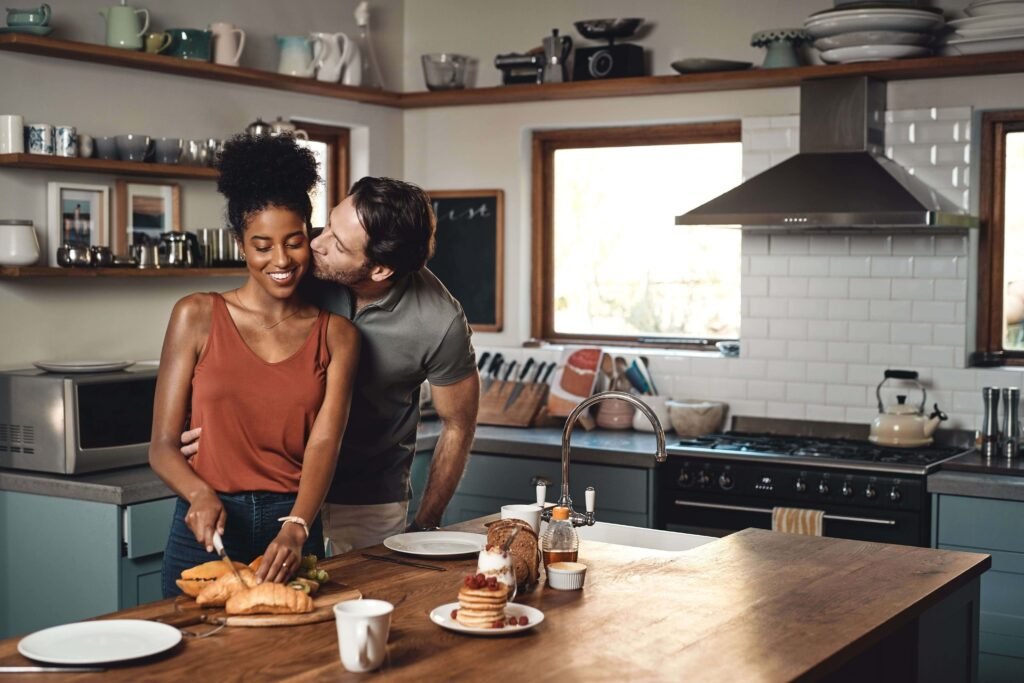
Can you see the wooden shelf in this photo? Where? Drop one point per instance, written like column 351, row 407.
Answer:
column 130, row 168
column 43, row 271
column 899, row 69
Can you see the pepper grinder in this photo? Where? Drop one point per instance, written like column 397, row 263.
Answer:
column 1011, row 422
column 990, row 425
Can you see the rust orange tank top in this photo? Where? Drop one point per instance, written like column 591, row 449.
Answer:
column 256, row 416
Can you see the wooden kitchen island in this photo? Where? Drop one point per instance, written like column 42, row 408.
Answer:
column 754, row 606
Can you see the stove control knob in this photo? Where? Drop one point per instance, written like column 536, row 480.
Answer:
column 870, row 493
column 703, row 479
column 847, row 489
column 685, row 479
column 895, row 495
column 823, row 488
column 801, row 485
column 725, row 481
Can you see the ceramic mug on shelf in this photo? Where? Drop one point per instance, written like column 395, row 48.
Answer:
column 19, row 245
column 106, row 147
column 85, row 145
column 157, row 42
column 37, row 16
column 66, row 141
column 123, row 29
column 190, row 43
column 39, row 138
column 133, row 147
column 167, row 150
column 299, row 55
column 228, row 43
column 12, row 134
column 363, row 627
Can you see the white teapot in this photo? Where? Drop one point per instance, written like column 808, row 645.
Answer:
column 904, row 424
column 336, row 55
column 282, row 127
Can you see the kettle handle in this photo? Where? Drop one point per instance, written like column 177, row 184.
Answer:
column 566, row 46
column 901, row 374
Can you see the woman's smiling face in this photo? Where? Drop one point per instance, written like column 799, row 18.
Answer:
column 276, row 247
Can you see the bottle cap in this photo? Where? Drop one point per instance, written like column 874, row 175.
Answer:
column 560, row 513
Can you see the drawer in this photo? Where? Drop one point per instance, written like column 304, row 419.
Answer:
column 999, row 669
column 981, row 523
column 146, row 526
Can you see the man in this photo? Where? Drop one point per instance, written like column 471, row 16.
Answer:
column 369, row 264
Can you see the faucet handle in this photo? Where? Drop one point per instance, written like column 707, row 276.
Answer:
column 542, row 494
column 589, row 499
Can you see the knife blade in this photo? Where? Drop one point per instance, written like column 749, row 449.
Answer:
column 218, row 545
column 547, row 373
column 518, row 389
column 508, row 371
column 492, row 372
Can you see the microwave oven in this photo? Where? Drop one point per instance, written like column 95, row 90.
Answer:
column 75, row 423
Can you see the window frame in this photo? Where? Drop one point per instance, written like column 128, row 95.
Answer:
column 545, row 144
column 338, row 141
column 991, row 241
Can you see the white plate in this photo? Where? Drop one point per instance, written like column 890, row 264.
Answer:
column 442, row 616
column 77, row 366
column 1004, row 23
column 983, row 33
column 971, row 46
column 860, row 38
column 873, row 53
column 1002, row 7
column 848, row 21
column 99, row 642
column 436, row 543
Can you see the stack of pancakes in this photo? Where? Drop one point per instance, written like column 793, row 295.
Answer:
column 482, row 607
column 525, row 549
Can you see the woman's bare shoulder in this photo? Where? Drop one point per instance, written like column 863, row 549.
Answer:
column 341, row 333
column 194, row 309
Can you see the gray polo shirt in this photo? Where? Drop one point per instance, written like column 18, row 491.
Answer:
column 416, row 332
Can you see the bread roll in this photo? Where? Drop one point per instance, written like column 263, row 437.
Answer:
column 195, row 579
column 218, row 592
column 269, row 598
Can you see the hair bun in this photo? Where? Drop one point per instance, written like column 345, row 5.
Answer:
column 265, row 166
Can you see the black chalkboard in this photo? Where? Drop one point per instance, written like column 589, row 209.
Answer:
column 468, row 257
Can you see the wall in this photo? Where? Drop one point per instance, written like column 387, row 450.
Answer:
column 823, row 316
column 120, row 318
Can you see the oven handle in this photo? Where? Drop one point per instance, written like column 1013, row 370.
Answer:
column 741, row 508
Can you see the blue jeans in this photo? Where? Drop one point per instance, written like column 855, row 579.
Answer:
column 252, row 524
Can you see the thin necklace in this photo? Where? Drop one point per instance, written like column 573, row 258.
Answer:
column 245, row 308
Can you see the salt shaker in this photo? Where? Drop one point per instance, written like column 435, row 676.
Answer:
column 990, row 425
column 1011, row 422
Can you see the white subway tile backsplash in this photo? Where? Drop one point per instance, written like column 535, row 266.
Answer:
column 771, row 349
column 949, row 335
column 911, row 333
column 710, row 366
column 805, row 392
column 824, row 413
column 829, row 245
column 910, row 155
column 808, row 309
column 831, row 287
column 755, row 162
column 754, row 328
column 896, row 311
column 791, row 370
column 892, row 266
column 871, row 245
column 932, row 356
column 913, row 245
column 765, row 390
column 865, row 375
column 953, row 380
column 916, row 289
column 808, row 350
column 753, row 243
column 861, row 415
column 848, row 352
column 869, row 287
column 951, row 154
column 769, row 139
column 829, row 373
column 848, row 309
column 787, row 329
column 950, row 290
column 768, row 307
column 870, row 331
column 788, row 245
column 828, row 330
column 723, row 389
column 906, row 115
column 746, row 367
column 752, row 285
column 889, row 354
column 788, row 411
column 845, row 395
column 849, row 266
column 808, row 265
column 787, row 286
column 950, row 245
column 933, row 312
column 769, row 265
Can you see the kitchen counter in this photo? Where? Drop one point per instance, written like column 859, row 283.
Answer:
column 131, row 485
column 756, row 605
column 973, row 475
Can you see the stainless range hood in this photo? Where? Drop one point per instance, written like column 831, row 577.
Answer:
column 840, row 179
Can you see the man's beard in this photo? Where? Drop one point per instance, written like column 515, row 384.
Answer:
column 322, row 271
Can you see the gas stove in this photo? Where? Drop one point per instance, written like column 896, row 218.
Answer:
column 720, row 483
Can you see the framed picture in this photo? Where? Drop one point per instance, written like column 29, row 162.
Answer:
column 469, row 254
column 78, row 215
column 144, row 212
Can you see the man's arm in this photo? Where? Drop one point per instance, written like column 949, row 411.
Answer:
column 456, row 406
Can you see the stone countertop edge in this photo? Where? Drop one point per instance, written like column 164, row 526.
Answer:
column 139, row 484
column 998, row 486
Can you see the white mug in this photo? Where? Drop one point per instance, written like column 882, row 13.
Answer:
column 39, row 138
column 12, row 136
column 528, row 513
column 659, row 406
column 66, row 141
column 363, row 627
column 228, row 43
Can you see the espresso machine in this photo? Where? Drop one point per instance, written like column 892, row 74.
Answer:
column 556, row 52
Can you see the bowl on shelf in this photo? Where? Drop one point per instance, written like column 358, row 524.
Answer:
column 694, row 417
column 445, row 70
column 132, row 147
column 608, row 29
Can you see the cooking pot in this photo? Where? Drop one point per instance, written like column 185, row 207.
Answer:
column 904, row 424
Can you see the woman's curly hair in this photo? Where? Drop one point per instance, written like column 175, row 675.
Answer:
column 261, row 172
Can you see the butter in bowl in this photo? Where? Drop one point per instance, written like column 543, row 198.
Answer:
column 566, row 576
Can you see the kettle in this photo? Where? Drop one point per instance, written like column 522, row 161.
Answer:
column 556, row 51
column 123, row 29
column 903, row 424
column 282, row 127
column 259, row 128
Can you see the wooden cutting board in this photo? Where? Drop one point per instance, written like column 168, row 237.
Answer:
column 323, row 609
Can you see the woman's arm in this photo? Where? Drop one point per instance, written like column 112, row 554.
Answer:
column 183, row 342
column 321, row 455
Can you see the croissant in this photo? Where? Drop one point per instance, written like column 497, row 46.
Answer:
column 194, row 579
column 218, row 592
column 269, row 598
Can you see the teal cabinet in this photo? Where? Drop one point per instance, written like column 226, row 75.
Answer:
column 995, row 527
column 87, row 558
column 624, row 494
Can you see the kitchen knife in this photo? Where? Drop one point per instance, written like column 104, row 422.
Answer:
column 483, row 360
column 547, row 373
column 509, row 370
column 218, row 545
column 492, row 372
column 518, row 389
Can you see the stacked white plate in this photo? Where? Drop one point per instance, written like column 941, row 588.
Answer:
column 871, row 31
column 991, row 26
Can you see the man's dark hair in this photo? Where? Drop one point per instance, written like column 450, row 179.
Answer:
column 257, row 173
column 399, row 220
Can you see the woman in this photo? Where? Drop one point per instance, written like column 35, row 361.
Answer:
column 267, row 376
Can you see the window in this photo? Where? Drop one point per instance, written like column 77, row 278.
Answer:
column 329, row 145
column 1001, row 266
column 610, row 263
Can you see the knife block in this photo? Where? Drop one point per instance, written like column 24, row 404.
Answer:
column 521, row 413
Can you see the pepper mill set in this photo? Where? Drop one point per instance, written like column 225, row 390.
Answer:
column 1001, row 441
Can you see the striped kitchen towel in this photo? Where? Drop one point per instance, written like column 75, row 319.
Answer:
column 798, row 521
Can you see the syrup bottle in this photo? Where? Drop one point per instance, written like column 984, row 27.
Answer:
column 560, row 543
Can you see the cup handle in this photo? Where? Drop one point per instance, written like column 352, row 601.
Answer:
column 165, row 43
column 46, row 14
column 145, row 24
column 318, row 50
column 363, row 643
column 241, row 44
column 300, row 134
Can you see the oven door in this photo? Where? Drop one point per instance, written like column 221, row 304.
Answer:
column 723, row 516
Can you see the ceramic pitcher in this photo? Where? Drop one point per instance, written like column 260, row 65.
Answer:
column 228, row 43
column 299, row 55
column 337, row 53
column 123, row 29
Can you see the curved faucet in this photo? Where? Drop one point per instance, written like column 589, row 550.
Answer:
column 660, row 455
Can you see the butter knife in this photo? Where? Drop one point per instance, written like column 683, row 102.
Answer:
column 218, row 545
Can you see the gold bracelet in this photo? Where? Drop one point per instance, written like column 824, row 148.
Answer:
column 295, row 520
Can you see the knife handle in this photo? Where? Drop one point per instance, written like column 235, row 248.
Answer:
column 547, row 373
column 218, row 543
column 526, row 369
column 508, row 372
column 483, row 360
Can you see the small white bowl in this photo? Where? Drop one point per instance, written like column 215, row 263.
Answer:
column 566, row 576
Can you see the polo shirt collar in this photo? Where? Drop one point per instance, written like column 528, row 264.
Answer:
column 394, row 294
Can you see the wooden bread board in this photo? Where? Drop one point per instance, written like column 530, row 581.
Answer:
column 323, row 609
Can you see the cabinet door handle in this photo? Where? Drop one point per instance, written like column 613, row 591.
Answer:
column 767, row 511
